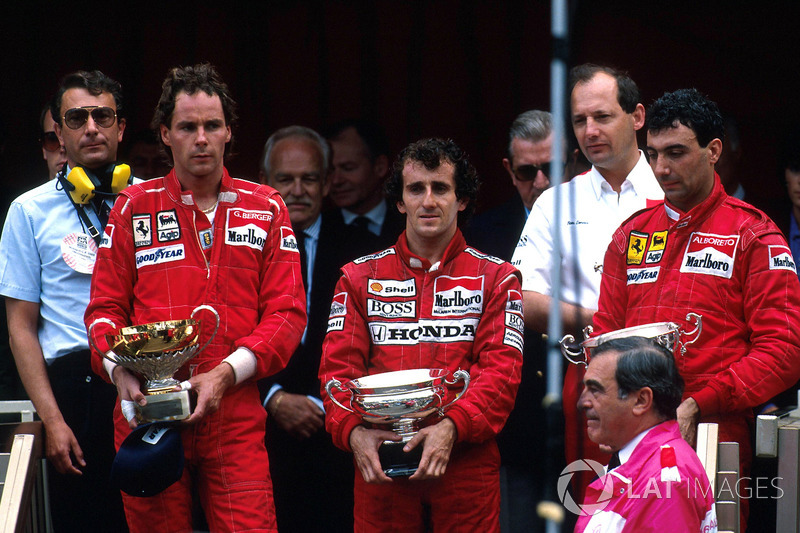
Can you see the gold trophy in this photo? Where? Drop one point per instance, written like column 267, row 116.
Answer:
column 156, row 351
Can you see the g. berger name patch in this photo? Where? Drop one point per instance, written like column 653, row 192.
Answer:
column 710, row 254
column 245, row 227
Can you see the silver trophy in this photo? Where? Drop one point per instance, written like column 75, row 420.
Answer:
column 156, row 351
column 668, row 334
column 399, row 400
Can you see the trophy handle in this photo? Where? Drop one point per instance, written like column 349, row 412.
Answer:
column 698, row 321
column 458, row 375
column 216, row 327
column 338, row 384
column 576, row 358
column 587, row 332
column 91, row 337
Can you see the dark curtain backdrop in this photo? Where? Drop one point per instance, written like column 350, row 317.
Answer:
column 461, row 69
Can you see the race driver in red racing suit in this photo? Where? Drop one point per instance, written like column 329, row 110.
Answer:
column 705, row 252
column 161, row 257
column 443, row 306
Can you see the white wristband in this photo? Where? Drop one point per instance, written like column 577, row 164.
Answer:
column 128, row 409
column 243, row 362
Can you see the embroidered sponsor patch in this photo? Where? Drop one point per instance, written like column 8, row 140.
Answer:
column 142, row 230
column 167, row 220
column 289, row 240
column 514, row 318
column 338, row 312
column 637, row 243
column 710, row 254
column 457, row 296
column 405, row 309
column 423, row 331
column 513, row 339
column 780, row 258
column 392, row 287
column 108, row 237
column 655, row 250
column 370, row 257
column 155, row 256
column 475, row 253
column 338, row 305
column 245, row 227
column 637, row 276
column 206, row 238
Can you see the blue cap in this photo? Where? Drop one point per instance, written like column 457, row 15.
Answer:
column 149, row 460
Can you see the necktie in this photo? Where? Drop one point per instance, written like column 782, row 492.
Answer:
column 614, row 462
column 361, row 222
column 301, row 246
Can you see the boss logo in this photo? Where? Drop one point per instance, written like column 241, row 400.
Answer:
column 391, row 309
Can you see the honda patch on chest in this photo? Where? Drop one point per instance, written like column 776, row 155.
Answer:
column 710, row 254
column 437, row 331
column 780, row 258
column 245, row 227
column 457, row 296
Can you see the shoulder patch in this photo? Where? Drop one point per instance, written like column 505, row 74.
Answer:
column 780, row 258
column 371, row 257
column 480, row 255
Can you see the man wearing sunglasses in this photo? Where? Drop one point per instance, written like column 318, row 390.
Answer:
column 53, row 153
column 606, row 113
column 199, row 236
column 47, row 254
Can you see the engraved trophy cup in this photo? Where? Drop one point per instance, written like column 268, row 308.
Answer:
column 156, row 351
column 668, row 334
column 399, row 400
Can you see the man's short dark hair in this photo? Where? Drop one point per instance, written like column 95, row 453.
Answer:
column 201, row 77
column 432, row 153
column 95, row 82
column 690, row 108
column 373, row 135
column 642, row 363
column 627, row 91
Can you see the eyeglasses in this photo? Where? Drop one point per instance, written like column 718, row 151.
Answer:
column 76, row 117
column 50, row 141
column 529, row 172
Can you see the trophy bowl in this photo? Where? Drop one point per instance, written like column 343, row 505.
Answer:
column 668, row 334
column 400, row 399
column 156, row 351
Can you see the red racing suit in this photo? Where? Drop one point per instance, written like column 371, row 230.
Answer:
column 394, row 311
column 159, row 259
column 661, row 487
column 728, row 262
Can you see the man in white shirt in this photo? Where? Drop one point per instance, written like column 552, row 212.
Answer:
column 606, row 113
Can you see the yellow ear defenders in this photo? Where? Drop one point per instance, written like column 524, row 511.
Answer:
column 81, row 183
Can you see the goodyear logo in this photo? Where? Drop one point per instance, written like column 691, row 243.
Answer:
column 371, row 257
column 637, row 276
column 155, row 256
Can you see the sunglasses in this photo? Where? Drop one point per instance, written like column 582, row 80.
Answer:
column 529, row 172
column 50, row 141
column 76, row 117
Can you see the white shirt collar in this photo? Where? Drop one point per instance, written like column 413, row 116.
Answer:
column 626, row 451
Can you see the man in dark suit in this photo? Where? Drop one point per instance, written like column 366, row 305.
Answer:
column 296, row 162
column 496, row 232
column 361, row 164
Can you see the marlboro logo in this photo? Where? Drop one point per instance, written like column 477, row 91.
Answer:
column 780, row 258
column 457, row 296
column 710, row 254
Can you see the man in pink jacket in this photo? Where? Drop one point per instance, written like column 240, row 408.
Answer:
column 654, row 481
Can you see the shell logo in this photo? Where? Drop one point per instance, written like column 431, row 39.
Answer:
column 376, row 287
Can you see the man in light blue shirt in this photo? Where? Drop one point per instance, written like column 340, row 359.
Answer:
column 47, row 253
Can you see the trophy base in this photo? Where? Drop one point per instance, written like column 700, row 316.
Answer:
column 166, row 407
column 396, row 462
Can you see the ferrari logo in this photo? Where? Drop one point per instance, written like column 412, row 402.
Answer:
column 637, row 243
